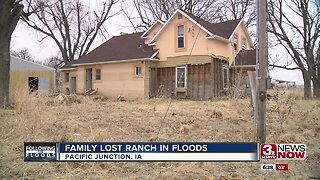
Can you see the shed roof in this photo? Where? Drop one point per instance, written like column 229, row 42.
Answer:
column 245, row 58
column 25, row 65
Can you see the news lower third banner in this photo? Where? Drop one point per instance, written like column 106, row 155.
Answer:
column 140, row 151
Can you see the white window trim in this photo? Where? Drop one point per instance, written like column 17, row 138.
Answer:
column 235, row 42
column 225, row 67
column 136, row 72
column 96, row 74
column 244, row 44
column 184, row 38
column 185, row 76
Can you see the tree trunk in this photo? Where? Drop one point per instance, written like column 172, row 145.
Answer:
column 4, row 67
column 316, row 88
column 307, row 85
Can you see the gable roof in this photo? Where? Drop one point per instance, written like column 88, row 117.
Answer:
column 118, row 48
column 245, row 58
column 222, row 30
column 153, row 25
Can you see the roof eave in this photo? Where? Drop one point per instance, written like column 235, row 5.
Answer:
column 67, row 69
column 110, row 62
column 218, row 38
column 184, row 14
column 243, row 66
column 146, row 32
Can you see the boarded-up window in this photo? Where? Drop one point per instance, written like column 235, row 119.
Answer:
column 180, row 36
column 67, row 77
column 181, row 77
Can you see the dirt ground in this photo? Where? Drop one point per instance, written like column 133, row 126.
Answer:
column 289, row 120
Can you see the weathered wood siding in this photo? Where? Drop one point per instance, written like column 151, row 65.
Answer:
column 204, row 80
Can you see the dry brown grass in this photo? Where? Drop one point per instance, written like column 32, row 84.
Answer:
column 90, row 119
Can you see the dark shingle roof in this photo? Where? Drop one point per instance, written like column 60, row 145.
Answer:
column 118, row 48
column 222, row 29
column 246, row 58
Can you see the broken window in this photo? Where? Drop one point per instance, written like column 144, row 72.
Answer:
column 33, row 84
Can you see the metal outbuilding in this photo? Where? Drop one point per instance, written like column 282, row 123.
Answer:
column 27, row 76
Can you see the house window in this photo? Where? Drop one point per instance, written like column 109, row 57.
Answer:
column 244, row 44
column 67, row 77
column 181, row 80
column 137, row 71
column 179, row 16
column 235, row 42
column 180, row 36
column 225, row 77
column 98, row 74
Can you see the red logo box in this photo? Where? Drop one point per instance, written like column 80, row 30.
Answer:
column 268, row 151
column 282, row 167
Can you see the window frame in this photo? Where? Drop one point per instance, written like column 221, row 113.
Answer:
column 67, row 77
column 181, row 36
column 244, row 44
column 185, row 76
column 137, row 72
column 225, row 84
column 99, row 74
column 235, row 42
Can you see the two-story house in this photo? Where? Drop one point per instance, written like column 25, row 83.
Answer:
column 185, row 57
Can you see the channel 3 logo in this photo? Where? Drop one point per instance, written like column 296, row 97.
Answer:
column 268, row 151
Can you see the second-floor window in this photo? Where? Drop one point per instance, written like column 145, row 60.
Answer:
column 235, row 42
column 244, row 44
column 180, row 36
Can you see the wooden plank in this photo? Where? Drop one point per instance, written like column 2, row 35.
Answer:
column 204, row 81
column 212, row 79
column 198, row 83
column 192, row 83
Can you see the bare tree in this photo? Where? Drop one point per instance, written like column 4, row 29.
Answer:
column 149, row 11
column 239, row 9
column 69, row 23
column 10, row 12
column 297, row 29
column 23, row 54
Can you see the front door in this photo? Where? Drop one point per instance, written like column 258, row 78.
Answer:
column 89, row 78
column 73, row 85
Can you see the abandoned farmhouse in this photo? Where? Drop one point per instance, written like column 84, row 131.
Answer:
column 184, row 57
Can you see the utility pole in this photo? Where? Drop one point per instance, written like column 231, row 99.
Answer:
column 261, row 70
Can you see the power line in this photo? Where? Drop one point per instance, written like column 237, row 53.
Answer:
column 169, row 105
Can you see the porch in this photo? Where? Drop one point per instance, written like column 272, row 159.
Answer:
column 196, row 79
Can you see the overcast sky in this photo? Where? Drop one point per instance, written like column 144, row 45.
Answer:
column 24, row 37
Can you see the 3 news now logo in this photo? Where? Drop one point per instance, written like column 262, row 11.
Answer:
column 283, row 151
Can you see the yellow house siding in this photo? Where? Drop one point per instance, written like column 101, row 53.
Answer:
column 153, row 32
column 116, row 79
